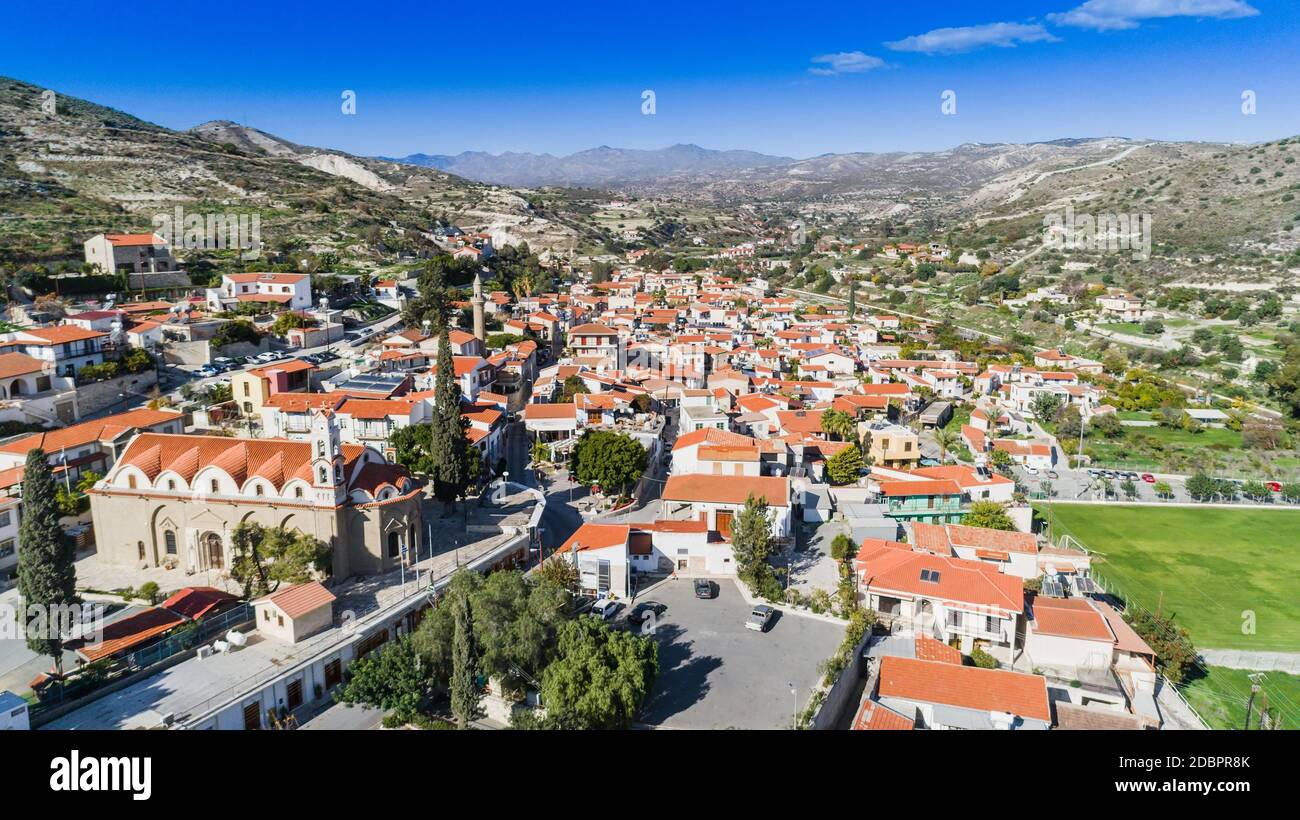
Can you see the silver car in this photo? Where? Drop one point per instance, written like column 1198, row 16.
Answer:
column 759, row 617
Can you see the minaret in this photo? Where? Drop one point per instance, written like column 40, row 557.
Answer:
column 477, row 303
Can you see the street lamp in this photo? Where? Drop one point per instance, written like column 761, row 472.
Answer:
column 794, row 690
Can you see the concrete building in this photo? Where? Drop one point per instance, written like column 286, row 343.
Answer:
column 134, row 252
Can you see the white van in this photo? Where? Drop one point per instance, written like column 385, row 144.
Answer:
column 605, row 608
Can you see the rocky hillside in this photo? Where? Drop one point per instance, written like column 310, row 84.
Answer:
column 85, row 168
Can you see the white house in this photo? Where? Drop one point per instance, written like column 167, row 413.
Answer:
column 718, row 499
column 286, row 290
column 292, row 613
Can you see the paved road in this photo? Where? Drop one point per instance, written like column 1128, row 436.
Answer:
column 1256, row 661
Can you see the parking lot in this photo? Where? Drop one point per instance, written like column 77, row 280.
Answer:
column 716, row 674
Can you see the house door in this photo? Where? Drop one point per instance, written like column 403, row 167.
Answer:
column 294, row 694
column 724, row 522
column 333, row 673
column 253, row 715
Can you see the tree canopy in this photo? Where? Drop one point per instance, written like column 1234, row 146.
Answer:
column 609, row 459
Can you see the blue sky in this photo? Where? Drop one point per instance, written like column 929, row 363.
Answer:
column 783, row 78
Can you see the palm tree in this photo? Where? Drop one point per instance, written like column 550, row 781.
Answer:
column 523, row 285
column 837, row 423
column 946, row 439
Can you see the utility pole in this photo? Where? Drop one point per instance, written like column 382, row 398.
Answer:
column 1250, row 702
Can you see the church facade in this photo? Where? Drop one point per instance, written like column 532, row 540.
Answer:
column 173, row 500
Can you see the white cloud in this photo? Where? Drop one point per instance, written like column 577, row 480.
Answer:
column 969, row 38
column 1104, row 15
column 845, row 62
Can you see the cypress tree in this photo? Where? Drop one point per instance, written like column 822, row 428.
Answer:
column 448, row 442
column 464, row 687
column 853, row 296
column 47, row 576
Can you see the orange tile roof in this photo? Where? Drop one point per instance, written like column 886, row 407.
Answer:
column 276, row 460
column 931, row 487
column 134, row 239
column 967, row 687
column 727, row 489
column 19, row 364
column 959, row 580
column 872, row 715
column 105, row 429
column 290, row 366
column 195, row 602
column 709, row 435
column 928, row 649
column 549, row 411
column 60, row 334
column 128, row 632
column 596, row 536
column 1069, row 618
column 300, row 599
column 271, row 278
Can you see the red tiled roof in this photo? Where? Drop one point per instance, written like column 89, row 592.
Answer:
column 105, row 429
column 727, row 489
column 128, row 632
column 195, row 602
column 931, row 487
column 872, row 715
column 19, row 364
column 968, row 687
column 928, row 649
column 300, row 599
column 596, row 536
column 1069, row 618
column 134, row 239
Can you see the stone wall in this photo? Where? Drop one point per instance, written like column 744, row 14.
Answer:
column 107, row 395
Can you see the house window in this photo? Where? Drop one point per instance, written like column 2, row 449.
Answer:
column 246, row 389
column 279, row 620
column 266, row 614
column 7, row 548
column 169, row 538
column 324, row 476
column 171, row 483
column 130, row 481
column 990, row 624
column 394, row 545
column 297, row 492
column 257, row 489
column 5, row 519
column 214, row 485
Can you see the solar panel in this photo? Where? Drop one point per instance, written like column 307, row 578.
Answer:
column 1085, row 585
column 1053, row 589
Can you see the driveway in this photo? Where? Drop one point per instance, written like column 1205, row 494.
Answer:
column 715, row 674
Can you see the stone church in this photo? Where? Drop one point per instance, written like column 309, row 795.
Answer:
column 174, row 500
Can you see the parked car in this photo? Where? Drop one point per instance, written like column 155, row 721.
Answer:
column 222, row 361
column 704, row 588
column 207, row 371
column 605, row 608
column 639, row 612
column 1029, row 468
column 1148, row 478
column 1273, row 486
column 581, row 604
column 759, row 618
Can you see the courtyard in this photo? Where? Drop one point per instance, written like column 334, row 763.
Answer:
column 716, row 674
